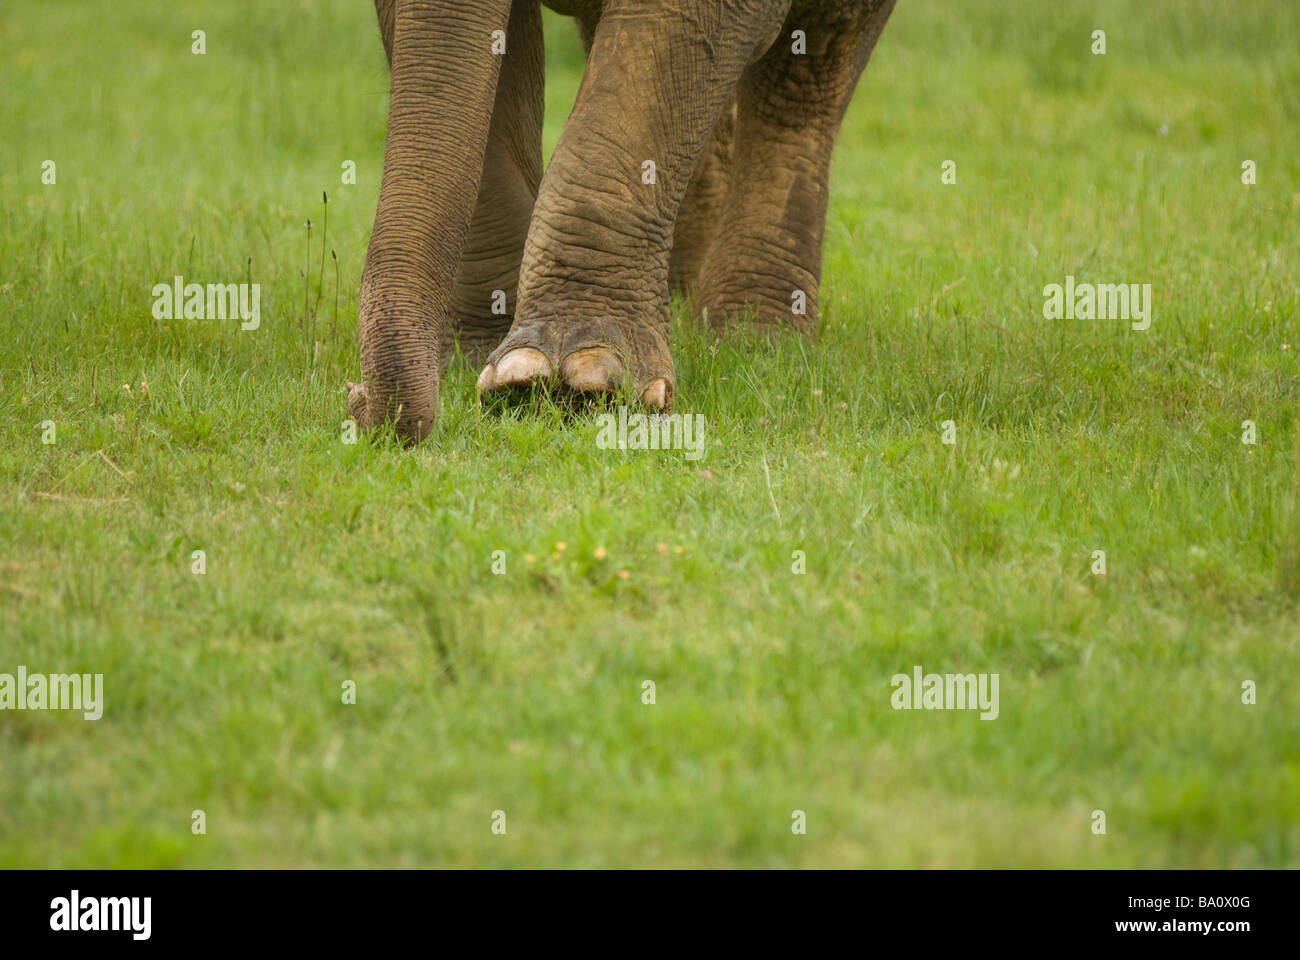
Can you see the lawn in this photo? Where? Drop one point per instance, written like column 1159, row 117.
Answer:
column 522, row 692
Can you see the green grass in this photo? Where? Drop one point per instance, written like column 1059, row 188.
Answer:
column 330, row 562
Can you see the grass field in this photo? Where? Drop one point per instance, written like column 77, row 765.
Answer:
column 475, row 692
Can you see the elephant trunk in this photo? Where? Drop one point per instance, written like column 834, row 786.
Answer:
column 444, row 79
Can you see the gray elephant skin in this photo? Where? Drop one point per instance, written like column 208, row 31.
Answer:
column 697, row 155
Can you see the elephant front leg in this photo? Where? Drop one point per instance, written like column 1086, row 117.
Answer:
column 763, row 264
column 593, row 292
column 486, row 290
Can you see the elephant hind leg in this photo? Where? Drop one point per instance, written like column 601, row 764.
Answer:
column 386, row 11
column 702, row 206
column 764, row 258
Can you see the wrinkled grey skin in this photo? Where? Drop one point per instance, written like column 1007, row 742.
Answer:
column 740, row 130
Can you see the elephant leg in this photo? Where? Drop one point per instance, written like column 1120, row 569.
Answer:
column 593, row 288
column 386, row 11
column 766, row 248
column 702, row 206
column 486, row 288
column 444, row 82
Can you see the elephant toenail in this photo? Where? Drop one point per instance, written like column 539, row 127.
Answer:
column 656, row 396
column 591, row 370
column 519, row 367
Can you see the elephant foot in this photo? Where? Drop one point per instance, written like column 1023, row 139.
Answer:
column 770, row 325
column 746, row 304
column 588, row 359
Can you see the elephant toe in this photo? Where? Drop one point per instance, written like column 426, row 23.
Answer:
column 518, row 368
column 592, row 370
column 599, row 370
column 658, row 395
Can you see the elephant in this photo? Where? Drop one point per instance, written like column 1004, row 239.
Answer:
column 697, row 155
